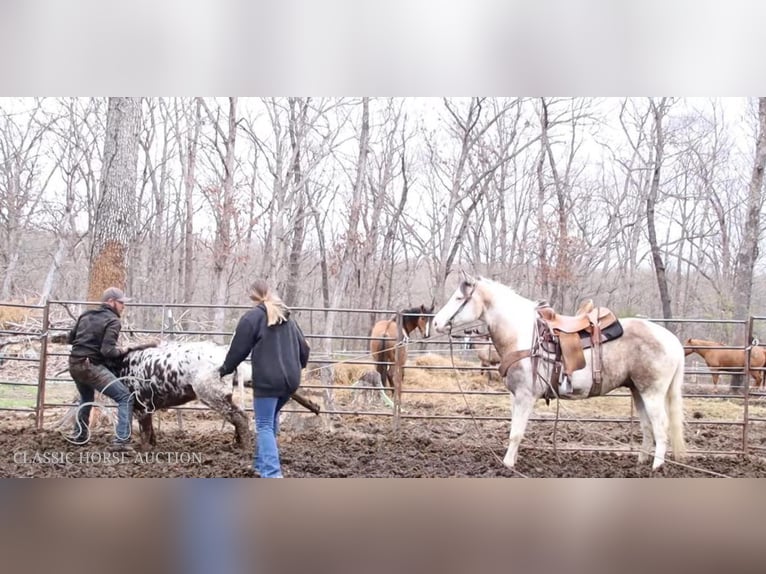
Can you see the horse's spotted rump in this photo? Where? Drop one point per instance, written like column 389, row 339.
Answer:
column 176, row 373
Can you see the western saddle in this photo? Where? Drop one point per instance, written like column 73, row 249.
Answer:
column 567, row 336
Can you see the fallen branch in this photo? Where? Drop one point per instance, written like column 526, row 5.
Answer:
column 304, row 402
column 20, row 339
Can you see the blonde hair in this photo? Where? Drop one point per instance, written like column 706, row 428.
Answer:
column 276, row 310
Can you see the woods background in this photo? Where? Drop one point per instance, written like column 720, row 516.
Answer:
column 651, row 206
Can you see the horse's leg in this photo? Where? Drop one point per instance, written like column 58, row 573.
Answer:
column 382, row 371
column 647, row 435
column 391, row 382
column 523, row 405
column 147, row 429
column 388, row 377
column 654, row 403
column 216, row 397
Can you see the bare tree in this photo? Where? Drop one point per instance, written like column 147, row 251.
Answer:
column 74, row 150
column 23, row 180
column 347, row 259
column 221, row 196
column 514, row 188
column 658, row 113
column 297, row 128
column 188, row 122
column 466, row 179
column 748, row 252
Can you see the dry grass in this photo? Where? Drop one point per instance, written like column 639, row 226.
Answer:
column 345, row 374
column 14, row 317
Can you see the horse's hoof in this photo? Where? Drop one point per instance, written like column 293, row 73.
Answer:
column 509, row 463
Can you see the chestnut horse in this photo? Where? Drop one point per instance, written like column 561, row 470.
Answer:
column 487, row 355
column 719, row 360
column 384, row 338
column 647, row 359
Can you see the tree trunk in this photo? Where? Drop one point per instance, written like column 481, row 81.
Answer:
column 190, row 162
column 222, row 244
column 651, row 203
column 748, row 253
column 115, row 223
column 296, row 130
column 349, row 254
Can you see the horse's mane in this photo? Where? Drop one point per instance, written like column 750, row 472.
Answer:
column 501, row 286
column 495, row 283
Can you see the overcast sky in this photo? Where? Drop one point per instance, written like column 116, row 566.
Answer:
column 397, row 47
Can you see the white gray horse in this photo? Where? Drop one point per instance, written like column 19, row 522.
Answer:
column 648, row 359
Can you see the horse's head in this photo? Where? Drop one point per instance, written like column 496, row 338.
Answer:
column 417, row 318
column 463, row 307
column 700, row 346
column 424, row 320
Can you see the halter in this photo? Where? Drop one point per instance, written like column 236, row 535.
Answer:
column 448, row 324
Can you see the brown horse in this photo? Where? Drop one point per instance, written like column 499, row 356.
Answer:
column 487, row 355
column 384, row 338
column 719, row 360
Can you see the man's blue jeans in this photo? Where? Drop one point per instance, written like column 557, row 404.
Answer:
column 267, row 426
column 90, row 378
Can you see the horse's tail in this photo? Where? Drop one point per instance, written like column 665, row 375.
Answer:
column 674, row 399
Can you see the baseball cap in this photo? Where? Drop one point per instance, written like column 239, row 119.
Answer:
column 116, row 294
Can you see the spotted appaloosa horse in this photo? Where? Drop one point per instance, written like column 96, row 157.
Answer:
column 648, row 359
column 175, row 373
column 384, row 337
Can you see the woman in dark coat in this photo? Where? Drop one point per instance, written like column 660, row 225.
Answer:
column 278, row 351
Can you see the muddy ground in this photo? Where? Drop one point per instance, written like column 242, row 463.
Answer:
column 364, row 447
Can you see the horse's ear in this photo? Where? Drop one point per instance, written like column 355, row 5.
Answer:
column 466, row 278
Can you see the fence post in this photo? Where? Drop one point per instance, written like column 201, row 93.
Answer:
column 746, row 408
column 43, row 367
column 398, row 371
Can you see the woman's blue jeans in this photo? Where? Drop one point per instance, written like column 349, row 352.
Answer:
column 267, row 426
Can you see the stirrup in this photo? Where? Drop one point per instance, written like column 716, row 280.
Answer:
column 565, row 386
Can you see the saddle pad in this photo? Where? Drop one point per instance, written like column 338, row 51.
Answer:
column 613, row 331
column 610, row 333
